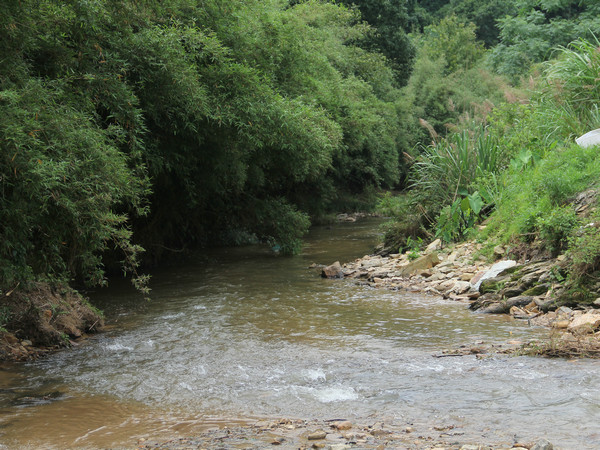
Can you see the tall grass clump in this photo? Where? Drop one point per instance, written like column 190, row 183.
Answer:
column 451, row 188
column 568, row 105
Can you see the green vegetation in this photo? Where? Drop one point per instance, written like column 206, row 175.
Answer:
column 132, row 129
column 167, row 125
column 524, row 171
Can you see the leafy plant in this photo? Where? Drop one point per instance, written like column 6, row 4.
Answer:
column 413, row 246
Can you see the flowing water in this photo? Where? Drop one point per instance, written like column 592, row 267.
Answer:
column 240, row 334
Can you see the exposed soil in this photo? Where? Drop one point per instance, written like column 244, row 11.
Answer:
column 42, row 319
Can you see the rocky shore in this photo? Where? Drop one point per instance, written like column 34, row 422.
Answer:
column 527, row 290
column 335, row 434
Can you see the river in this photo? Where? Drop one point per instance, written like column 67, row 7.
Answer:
column 239, row 334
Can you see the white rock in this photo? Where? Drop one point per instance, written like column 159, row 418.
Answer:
column 495, row 270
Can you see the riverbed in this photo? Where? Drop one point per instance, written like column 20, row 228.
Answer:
column 237, row 335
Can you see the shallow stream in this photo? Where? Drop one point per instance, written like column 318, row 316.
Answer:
column 240, row 334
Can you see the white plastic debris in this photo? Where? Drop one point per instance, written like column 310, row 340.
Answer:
column 589, row 139
column 494, row 271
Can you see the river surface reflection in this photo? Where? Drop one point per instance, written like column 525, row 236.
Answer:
column 241, row 333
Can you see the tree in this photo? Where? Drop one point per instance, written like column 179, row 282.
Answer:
column 540, row 26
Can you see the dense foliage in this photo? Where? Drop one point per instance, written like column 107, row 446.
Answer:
column 166, row 125
column 531, row 35
column 177, row 123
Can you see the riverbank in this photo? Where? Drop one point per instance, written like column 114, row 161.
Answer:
column 337, row 434
column 43, row 319
column 531, row 290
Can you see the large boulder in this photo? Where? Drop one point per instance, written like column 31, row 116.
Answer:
column 333, row 271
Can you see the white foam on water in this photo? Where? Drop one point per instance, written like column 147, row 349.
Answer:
column 116, row 347
column 314, row 374
column 335, row 394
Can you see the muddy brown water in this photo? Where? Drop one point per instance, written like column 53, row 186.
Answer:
column 241, row 334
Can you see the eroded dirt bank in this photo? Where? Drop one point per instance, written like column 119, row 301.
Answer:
column 43, row 319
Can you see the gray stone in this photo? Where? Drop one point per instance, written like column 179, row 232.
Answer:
column 542, row 444
column 460, row 287
column 589, row 139
column 375, row 262
column 504, row 306
column 338, row 447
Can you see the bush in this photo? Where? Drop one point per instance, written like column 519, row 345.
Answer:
column 555, row 227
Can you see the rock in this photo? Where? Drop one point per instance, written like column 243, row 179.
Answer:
column 342, row 425
column 540, row 289
column 584, row 324
column 26, row 343
column 466, row 277
column 379, row 433
column 339, row 447
column 564, row 311
column 316, row 435
column 484, row 301
column 333, row 271
column 597, row 302
column 372, row 262
column 499, row 251
column 494, row 284
column 460, row 287
column 434, row 246
column 494, row 271
column 561, row 324
column 542, row 444
column 504, row 306
column 422, row 263
column 478, row 277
